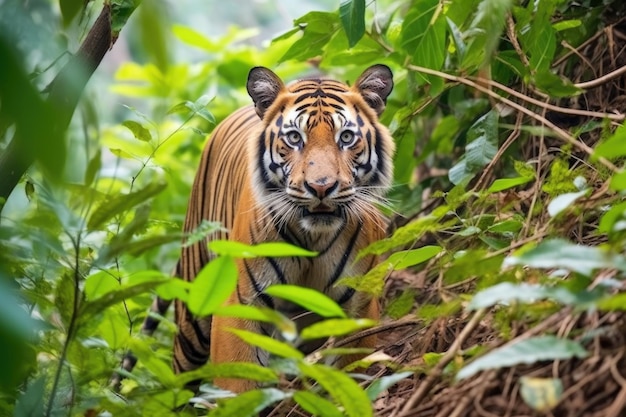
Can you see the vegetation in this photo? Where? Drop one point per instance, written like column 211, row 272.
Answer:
column 503, row 271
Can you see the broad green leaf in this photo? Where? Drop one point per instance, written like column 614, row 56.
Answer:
column 410, row 233
column 618, row 181
column 555, row 85
column 507, row 292
column 121, row 10
column 157, row 365
column 615, row 302
column 482, row 147
column 614, row 146
column 239, row 370
column 485, row 32
column 341, row 388
column 31, row 402
column 372, row 282
column 506, row 226
column 557, row 253
column 541, row 394
column 381, row 384
column 352, row 14
column 407, row 258
column 502, row 184
column 566, row 24
column 310, row 299
column 270, row 249
column 564, row 201
column 269, row 344
column 100, row 283
column 401, row 305
column 613, row 220
column 215, row 282
column 139, row 131
column 318, row 28
column 194, row 38
column 174, row 288
column 335, row 327
column 69, row 9
column 119, row 203
column 424, row 38
column 248, row 404
column 287, row 327
column 170, row 399
column 528, row 351
column 113, row 297
column 316, row 405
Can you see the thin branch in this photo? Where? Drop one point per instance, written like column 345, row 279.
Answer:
column 601, row 80
column 560, row 132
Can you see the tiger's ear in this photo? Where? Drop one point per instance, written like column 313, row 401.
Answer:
column 263, row 86
column 375, row 84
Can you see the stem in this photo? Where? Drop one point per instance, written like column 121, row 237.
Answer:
column 71, row 330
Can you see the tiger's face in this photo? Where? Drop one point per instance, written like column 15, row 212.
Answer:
column 322, row 157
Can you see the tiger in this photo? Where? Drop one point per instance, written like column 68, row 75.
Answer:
column 308, row 164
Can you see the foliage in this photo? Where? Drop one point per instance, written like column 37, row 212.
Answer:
column 85, row 247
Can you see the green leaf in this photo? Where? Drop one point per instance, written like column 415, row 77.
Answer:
column 69, row 9
column 138, row 130
column 566, row 24
column 120, row 203
column 93, row 168
column 558, row 253
column 401, row 305
column 270, row 249
column 406, row 258
column 90, row 308
column 316, row 405
column 613, row 220
column 541, row 394
column 485, row 32
column 215, row 282
column 248, row 404
column 482, row 147
column 352, row 14
column 424, row 37
column 310, row 299
column 372, row 282
column 335, row 327
column 31, row 402
column 318, row 28
column 528, row 351
column 502, row 184
column 268, row 343
column 381, row 384
column 121, row 10
column 194, row 38
column 341, row 387
column 410, row 233
column 507, row 293
column 555, row 85
column 564, row 201
column 287, row 327
column 614, row 146
column 238, row 370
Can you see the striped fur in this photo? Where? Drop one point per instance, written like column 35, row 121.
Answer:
column 306, row 165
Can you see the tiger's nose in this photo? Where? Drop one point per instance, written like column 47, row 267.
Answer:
column 321, row 188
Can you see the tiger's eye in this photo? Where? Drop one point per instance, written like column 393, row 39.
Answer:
column 346, row 138
column 294, row 138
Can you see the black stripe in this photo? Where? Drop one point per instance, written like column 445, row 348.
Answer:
column 344, row 258
column 347, row 295
column 266, row 299
column 190, row 352
column 199, row 333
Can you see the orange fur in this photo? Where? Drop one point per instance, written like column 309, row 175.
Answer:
column 306, row 165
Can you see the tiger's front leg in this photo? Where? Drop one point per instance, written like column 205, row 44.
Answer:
column 226, row 347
